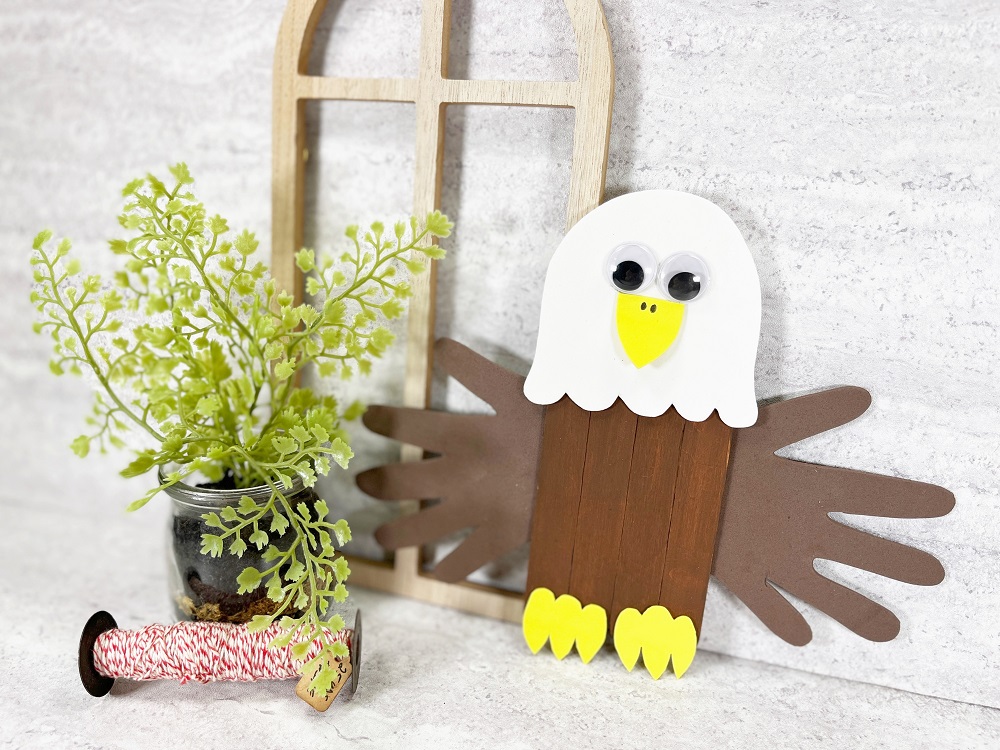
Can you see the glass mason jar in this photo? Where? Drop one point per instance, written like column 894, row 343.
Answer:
column 203, row 587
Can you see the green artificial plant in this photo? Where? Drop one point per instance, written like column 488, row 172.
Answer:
column 195, row 348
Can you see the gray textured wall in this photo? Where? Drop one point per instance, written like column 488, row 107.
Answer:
column 853, row 143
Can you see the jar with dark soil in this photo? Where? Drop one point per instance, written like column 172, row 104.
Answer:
column 204, row 587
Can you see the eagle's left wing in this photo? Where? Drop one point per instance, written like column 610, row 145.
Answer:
column 776, row 522
column 483, row 476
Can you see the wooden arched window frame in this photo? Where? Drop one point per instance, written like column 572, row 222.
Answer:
column 431, row 91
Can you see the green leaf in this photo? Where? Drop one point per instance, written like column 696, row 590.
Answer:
column 229, row 514
column 322, row 464
column 81, row 446
column 181, row 173
column 246, row 243
column 118, row 247
column 392, row 308
column 341, row 453
column 300, row 434
column 211, row 545
column 343, row 532
column 355, row 410
column 259, row 539
column 259, row 622
column 284, row 369
column 295, row 572
column 433, row 251
column 341, row 570
column 305, row 259
column 132, row 187
column 340, row 593
column 112, row 301
column 273, row 350
column 218, row 225
column 284, row 445
column 249, row 580
column 208, row 405
column 247, row 505
column 275, row 590
column 136, row 504
column 335, row 624
column 238, row 547
column 282, row 641
column 41, row 238
column 438, row 224
column 157, row 186
column 279, row 524
column 415, row 266
column 213, row 521
column 140, row 465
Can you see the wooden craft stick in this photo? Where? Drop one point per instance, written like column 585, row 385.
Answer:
column 602, row 505
column 694, row 522
column 655, row 463
column 557, row 499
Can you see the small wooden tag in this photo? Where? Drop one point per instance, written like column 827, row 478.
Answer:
column 322, row 702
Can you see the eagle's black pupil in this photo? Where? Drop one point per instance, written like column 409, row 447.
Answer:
column 684, row 286
column 628, row 276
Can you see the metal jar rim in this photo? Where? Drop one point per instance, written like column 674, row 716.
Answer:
column 209, row 498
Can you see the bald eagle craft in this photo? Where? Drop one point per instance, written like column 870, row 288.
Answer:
column 636, row 460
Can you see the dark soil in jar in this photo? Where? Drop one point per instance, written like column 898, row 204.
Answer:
column 209, row 583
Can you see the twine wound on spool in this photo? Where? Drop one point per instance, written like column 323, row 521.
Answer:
column 203, row 652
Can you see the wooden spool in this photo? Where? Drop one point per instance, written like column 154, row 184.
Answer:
column 431, row 91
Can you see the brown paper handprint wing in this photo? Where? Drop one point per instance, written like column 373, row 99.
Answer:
column 484, row 477
column 776, row 522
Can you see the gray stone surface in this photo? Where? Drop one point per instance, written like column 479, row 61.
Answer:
column 854, row 144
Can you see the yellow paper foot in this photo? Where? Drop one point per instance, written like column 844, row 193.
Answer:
column 659, row 637
column 562, row 622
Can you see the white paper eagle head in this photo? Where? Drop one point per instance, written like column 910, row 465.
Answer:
column 652, row 297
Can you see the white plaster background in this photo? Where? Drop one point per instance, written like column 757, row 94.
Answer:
column 853, row 143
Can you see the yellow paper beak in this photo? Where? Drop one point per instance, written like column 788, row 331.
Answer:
column 647, row 326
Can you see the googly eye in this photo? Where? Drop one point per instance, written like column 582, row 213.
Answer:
column 631, row 267
column 683, row 277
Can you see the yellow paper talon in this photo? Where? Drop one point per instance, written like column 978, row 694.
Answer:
column 661, row 638
column 565, row 619
column 537, row 618
column 592, row 632
column 562, row 622
column 628, row 637
column 685, row 644
column 656, row 640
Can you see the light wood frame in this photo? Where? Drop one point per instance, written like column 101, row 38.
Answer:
column 431, row 91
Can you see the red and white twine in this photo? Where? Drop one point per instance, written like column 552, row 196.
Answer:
column 199, row 652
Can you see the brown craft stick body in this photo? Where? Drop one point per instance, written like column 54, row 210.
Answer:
column 651, row 484
column 694, row 522
column 560, row 481
column 602, row 505
column 627, row 508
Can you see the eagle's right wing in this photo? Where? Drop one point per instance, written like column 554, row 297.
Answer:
column 483, row 476
column 776, row 522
